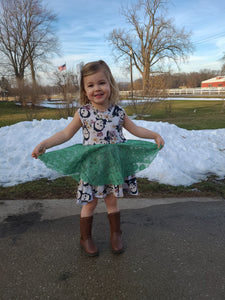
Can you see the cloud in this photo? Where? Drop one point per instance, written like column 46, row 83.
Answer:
column 84, row 25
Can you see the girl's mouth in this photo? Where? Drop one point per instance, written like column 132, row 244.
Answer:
column 99, row 95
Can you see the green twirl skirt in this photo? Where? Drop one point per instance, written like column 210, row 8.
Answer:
column 102, row 164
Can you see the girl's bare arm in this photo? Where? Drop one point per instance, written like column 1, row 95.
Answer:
column 60, row 137
column 142, row 132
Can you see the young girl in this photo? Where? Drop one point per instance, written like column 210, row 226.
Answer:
column 106, row 160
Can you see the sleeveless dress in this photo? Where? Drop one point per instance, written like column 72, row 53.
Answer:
column 106, row 162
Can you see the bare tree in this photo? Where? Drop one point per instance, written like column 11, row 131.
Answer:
column 11, row 33
column 43, row 42
column 151, row 40
column 27, row 36
column 67, row 83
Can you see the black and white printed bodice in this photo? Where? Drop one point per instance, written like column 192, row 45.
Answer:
column 102, row 127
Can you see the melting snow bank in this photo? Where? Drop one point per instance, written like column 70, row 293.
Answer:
column 189, row 156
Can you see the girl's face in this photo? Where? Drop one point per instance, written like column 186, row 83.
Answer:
column 97, row 89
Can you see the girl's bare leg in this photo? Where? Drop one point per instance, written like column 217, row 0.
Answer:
column 111, row 203
column 88, row 209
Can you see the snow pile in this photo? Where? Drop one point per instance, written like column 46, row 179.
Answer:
column 188, row 156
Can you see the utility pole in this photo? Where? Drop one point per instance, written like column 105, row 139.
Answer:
column 131, row 73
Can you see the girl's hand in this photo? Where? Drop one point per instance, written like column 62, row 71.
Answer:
column 38, row 151
column 159, row 141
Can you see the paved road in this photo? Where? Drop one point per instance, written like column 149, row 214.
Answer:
column 174, row 250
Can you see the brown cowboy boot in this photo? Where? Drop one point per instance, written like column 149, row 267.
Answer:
column 115, row 232
column 85, row 236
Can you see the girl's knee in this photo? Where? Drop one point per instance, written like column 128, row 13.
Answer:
column 88, row 209
column 111, row 203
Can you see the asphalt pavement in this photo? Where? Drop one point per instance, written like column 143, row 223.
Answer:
column 174, row 249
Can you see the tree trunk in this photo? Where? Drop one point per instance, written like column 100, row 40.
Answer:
column 146, row 79
column 34, row 84
column 20, row 86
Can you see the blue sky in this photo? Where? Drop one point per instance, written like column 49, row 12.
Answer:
column 83, row 26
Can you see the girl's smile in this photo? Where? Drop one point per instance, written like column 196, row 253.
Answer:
column 97, row 89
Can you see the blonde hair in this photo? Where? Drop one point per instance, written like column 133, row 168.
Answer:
column 94, row 67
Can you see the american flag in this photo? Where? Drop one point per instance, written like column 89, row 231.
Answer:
column 62, row 68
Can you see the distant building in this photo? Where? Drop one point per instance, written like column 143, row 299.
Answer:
column 218, row 81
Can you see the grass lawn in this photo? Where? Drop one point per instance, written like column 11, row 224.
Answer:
column 10, row 113
column 65, row 188
column 186, row 114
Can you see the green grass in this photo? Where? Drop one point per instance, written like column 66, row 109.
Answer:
column 65, row 188
column 211, row 187
column 10, row 113
column 188, row 114
column 185, row 114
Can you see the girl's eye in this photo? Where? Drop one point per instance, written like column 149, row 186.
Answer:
column 102, row 82
column 90, row 85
